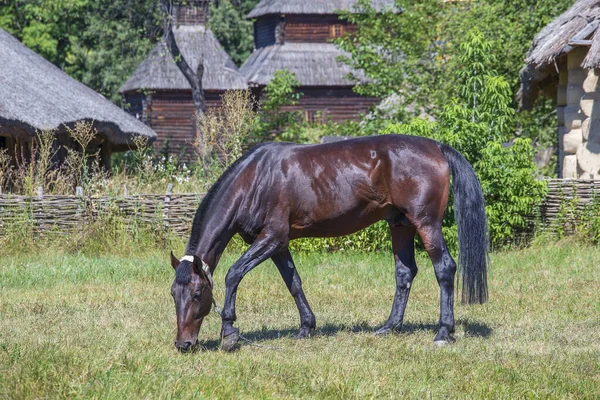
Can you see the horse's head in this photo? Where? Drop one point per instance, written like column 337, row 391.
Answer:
column 192, row 292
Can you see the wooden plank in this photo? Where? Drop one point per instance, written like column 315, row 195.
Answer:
column 575, row 42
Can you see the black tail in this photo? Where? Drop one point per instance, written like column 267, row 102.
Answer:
column 473, row 239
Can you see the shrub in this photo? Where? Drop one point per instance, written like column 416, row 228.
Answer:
column 478, row 124
column 223, row 134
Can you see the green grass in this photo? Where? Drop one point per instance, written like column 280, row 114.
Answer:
column 82, row 327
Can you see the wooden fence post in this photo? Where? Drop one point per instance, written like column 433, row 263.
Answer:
column 39, row 216
column 125, row 191
column 80, row 205
column 166, row 205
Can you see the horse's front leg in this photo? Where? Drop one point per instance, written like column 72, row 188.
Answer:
column 263, row 247
column 289, row 273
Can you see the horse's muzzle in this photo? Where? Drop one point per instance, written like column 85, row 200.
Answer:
column 184, row 347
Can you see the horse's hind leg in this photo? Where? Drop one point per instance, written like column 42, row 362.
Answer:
column 403, row 245
column 289, row 273
column 445, row 269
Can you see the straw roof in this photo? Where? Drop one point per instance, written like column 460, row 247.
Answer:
column 159, row 72
column 36, row 95
column 578, row 26
column 314, row 64
column 267, row 7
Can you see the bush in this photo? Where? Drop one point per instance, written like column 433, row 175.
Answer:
column 223, row 134
column 478, row 124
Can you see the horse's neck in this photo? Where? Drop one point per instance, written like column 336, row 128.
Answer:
column 211, row 248
column 216, row 231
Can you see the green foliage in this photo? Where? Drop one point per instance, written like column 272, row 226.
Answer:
column 512, row 192
column 577, row 218
column 232, row 29
column 275, row 122
column 390, row 47
column 374, row 238
column 478, row 124
column 99, row 42
column 414, row 55
column 116, row 37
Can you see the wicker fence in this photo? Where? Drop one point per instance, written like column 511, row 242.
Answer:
column 65, row 214
column 566, row 202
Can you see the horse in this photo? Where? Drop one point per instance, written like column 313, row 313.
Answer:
column 278, row 192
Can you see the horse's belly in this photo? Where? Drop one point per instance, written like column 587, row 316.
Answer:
column 340, row 225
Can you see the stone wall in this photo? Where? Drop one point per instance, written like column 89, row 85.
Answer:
column 578, row 110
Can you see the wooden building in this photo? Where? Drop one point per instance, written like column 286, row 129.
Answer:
column 564, row 65
column 37, row 96
column 159, row 94
column 296, row 35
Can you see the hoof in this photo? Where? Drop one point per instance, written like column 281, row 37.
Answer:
column 385, row 330
column 441, row 343
column 303, row 333
column 443, row 338
column 229, row 342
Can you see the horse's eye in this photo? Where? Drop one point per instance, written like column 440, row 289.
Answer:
column 197, row 295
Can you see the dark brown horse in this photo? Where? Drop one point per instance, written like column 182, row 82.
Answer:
column 278, row 192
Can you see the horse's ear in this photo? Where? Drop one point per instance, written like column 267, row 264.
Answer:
column 197, row 267
column 174, row 261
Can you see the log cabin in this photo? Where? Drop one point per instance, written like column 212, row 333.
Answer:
column 297, row 35
column 159, row 94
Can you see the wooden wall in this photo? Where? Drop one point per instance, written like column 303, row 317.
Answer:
column 172, row 116
column 312, row 28
column 331, row 104
column 299, row 29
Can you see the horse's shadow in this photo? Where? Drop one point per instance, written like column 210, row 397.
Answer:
column 471, row 329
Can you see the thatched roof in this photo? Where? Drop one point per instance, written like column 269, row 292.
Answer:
column 578, row 26
column 267, row 7
column 36, row 95
column 314, row 64
column 159, row 72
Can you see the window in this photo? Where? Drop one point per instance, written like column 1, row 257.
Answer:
column 313, row 116
column 336, row 30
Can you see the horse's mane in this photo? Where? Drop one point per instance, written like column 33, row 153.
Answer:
column 183, row 274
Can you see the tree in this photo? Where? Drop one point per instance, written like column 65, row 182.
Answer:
column 393, row 50
column 274, row 121
column 193, row 77
column 229, row 24
column 479, row 123
column 98, row 42
column 415, row 53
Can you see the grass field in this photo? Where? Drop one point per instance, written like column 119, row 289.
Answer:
column 103, row 327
